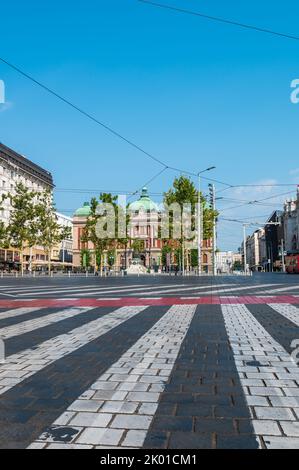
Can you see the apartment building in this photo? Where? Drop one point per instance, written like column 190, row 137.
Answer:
column 15, row 168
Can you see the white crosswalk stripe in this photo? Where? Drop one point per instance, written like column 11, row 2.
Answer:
column 91, row 290
column 270, row 384
column 31, row 325
column 282, row 289
column 160, row 290
column 235, row 289
column 288, row 311
column 18, row 367
column 205, row 290
column 129, row 390
column 16, row 312
column 33, row 288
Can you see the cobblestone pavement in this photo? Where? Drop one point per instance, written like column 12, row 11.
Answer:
column 184, row 372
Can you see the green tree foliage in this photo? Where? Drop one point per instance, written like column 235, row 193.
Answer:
column 101, row 245
column 22, row 229
column 49, row 232
column 3, row 236
column 90, row 233
column 111, row 258
column 237, row 266
column 85, row 258
column 137, row 246
column 164, row 252
column 194, row 258
column 183, row 191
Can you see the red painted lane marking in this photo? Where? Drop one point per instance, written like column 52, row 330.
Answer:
column 133, row 301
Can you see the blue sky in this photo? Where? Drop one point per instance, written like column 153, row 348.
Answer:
column 192, row 92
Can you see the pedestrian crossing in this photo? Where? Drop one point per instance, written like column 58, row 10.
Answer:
column 158, row 376
column 31, row 325
column 272, row 400
column 32, row 360
column 183, row 289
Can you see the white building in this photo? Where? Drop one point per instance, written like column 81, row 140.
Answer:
column 65, row 251
column 15, row 168
column 225, row 261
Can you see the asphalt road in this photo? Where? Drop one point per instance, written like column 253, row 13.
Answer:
column 147, row 286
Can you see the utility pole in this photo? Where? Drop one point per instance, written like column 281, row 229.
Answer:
column 183, row 256
column 214, row 234
column 199, row 211
column 213, row 206
column 282, row 256
column 63, row 252
column 245, row 249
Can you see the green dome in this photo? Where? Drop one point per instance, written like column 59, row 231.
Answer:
column 144, row 203
column 83, row 211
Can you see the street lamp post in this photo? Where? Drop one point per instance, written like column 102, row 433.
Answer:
column 213, row 207
column 282, row 256
column 214, row 233
column 245, row 249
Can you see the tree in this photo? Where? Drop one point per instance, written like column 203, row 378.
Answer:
column 22, row 228
column 183, row 191
column 194, row 258
column 237, row 266
column 90, row 234
column 166, row 250
column 49, row 232
column 102, row 244
column 137, row 246
column 85, row 258
column 111, row 258
column 3, row 235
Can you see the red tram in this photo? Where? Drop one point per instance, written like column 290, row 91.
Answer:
column 292, row 262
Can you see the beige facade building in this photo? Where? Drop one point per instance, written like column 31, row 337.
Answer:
column 256, row 250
